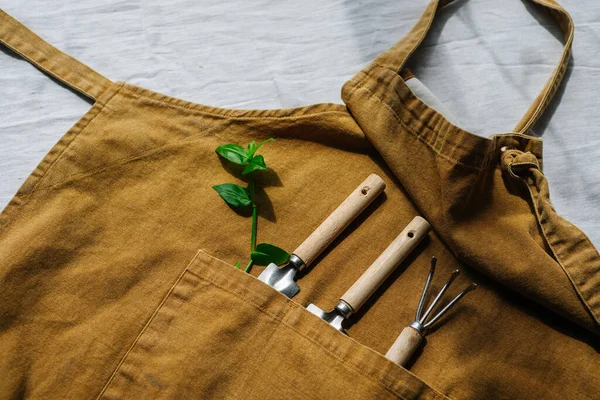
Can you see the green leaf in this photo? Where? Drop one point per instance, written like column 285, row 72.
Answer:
column 253, row 147
column 234, row 153
column 238, row 265
column 257, row 163
column 266, row 253
column 234, row 195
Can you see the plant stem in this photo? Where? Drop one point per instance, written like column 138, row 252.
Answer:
column 249, row 266
column 254, row 220
column 254, row 213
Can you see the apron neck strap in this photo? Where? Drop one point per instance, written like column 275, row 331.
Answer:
column 52, row 61
column 396, row 57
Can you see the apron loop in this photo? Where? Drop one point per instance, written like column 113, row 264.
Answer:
column 518, row 163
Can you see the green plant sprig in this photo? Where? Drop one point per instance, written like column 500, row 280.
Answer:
column 240, row 197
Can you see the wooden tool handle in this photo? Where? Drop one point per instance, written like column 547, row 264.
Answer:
column 340, row 218
column 404, row 347
column 395, row 253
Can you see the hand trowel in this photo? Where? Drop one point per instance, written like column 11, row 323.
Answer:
column 283, row 279
column 375, row 275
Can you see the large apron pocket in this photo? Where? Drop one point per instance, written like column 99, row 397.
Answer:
column 221, row 333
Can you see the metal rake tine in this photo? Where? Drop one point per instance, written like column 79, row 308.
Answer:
column 455, row 273
column 426, row 288
column 439, row 315
column 412, row 336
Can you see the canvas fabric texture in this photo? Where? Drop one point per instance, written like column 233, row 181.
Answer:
column 116, row 255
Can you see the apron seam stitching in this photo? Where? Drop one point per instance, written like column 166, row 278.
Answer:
column 146, row 325
column 320, row 345
column 139, row 92
column 444, row 120
column 534, row 199
column 67, row 145
column 60, row 147
column 417, row 135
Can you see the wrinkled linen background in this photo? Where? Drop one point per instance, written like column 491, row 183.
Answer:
column 484, row 60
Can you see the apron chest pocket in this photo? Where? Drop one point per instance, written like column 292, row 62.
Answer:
column 221, row 333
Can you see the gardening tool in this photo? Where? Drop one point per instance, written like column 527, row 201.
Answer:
column 375, row 275
column 411, row 336
column 283, row 279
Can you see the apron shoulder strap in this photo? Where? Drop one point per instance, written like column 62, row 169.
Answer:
column 543, row 99
column 54, row 62
column 396, row 56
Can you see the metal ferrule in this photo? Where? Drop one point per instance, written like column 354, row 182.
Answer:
column 416, row 325
column 344, row 308
column 296, row 262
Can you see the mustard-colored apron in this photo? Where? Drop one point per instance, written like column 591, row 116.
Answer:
column 116, row 276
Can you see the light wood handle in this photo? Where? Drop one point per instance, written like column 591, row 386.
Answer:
column 395, row 253
column 340, row 218
column 404, row 347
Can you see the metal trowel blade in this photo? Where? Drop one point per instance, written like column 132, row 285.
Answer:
column 333, row 318
column 281, row 279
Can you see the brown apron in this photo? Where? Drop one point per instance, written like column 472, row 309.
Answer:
column 116, row 277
